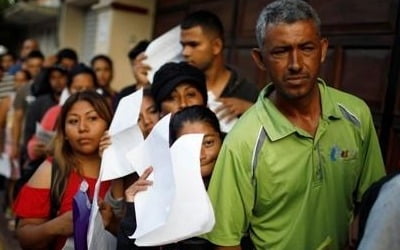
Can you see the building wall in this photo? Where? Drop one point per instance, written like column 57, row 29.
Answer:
column 119, row 25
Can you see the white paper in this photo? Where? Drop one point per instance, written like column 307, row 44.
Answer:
column 102, row 236
column 5, row 165
column 125, row 134
column 44, row 136
column 104, row 239
column 152, row 207
column 213, row 104
column 64, row 96
column 166, row 48
column 127, row 113
column 191, row 212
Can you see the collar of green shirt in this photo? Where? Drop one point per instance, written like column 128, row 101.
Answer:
column 278, row 126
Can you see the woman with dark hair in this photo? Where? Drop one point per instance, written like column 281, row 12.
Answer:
column 44, row 204
column 178, row 85
column 80, row 78
column 194, row 119
column 102, row 66
column 199, row 119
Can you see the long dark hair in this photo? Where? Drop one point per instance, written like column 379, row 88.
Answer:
column 64, row 155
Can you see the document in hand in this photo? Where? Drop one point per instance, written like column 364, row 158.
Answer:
column 176, row 206
column 98, row 237
column 125, row 134
column 5, row 165
column 152, row 207
column 43, row 135
column 165, row 48
column 213, row 104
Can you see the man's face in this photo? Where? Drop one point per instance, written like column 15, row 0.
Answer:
column 67, row 63
column 27, row 47
column 199, row 49
column 7, row 61
column 292, row 56
column 58, row 81
column 34, row 65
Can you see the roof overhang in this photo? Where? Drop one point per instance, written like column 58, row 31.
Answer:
column 28, row 13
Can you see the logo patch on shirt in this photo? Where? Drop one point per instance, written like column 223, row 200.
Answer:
column 342, row 154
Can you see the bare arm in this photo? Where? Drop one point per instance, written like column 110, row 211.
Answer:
column 4, row 106
column 39, row 233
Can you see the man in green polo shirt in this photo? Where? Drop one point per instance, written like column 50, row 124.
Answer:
column 293, row 168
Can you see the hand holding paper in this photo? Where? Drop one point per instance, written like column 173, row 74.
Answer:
column 125, row 134
column 166, row 48
column 165, row 211
column 215, row 105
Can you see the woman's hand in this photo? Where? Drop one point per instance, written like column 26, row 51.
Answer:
column 140, row 185
column 105, row 142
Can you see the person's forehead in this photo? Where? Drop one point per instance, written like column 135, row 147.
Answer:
column 34, row 60
column 81, row 107
column 193, row 32
column 304, row 28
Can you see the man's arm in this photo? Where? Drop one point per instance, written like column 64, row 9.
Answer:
column 231, row 184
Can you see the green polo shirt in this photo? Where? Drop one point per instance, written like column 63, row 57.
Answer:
column 292, row 190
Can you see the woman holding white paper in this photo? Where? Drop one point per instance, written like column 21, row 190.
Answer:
column 195, row 119
column 44, row 204
column 175, row 86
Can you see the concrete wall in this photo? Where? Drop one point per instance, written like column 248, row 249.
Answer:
column 71, row 29
column 127, row 29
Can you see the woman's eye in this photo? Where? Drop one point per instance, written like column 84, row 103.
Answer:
column 208, row 143
column 153, row 110
column 93, row 118
column 191, row 94
column 72, row 121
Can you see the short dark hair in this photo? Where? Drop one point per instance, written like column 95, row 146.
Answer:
column 35, row 54
column 139, row 48
column 78, row 69
column 102, row 57
column 206, row 20
column 192, row 114
column 9, row 53
column 67, row 53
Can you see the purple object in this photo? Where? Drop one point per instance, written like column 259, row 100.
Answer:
column 81, row 211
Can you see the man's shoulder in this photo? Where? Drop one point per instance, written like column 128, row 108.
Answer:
column 347, row 101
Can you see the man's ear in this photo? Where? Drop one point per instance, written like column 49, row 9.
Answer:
column 324, row 48
column 217, row 46
column 258, row 59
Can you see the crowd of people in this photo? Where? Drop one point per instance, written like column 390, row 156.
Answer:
column 291, row 174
